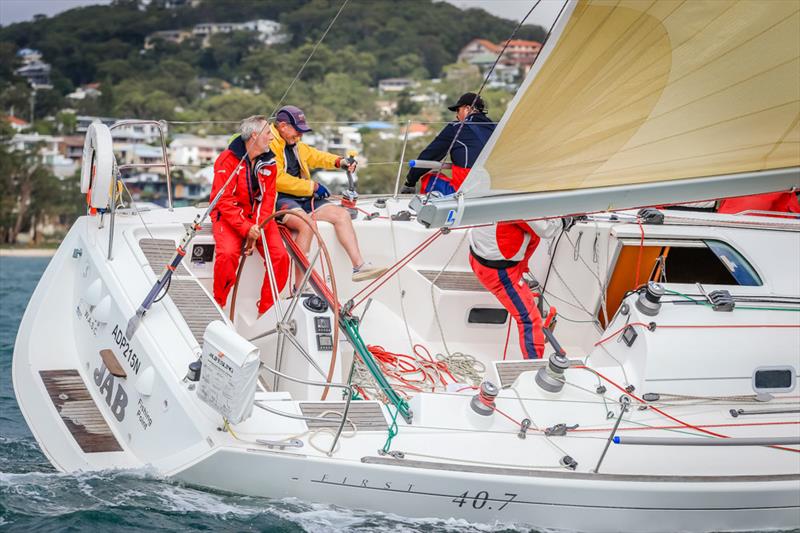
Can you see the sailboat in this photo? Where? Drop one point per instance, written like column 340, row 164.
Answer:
column 667, row 399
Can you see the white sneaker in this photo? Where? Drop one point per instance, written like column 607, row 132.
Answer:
column 367, row 271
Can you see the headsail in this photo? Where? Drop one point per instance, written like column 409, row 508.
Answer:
column 639, row 102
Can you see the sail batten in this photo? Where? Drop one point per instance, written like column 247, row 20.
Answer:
column 634, row 92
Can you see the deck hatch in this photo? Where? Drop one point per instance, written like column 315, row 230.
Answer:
column 451, row 280
column 192, row 301
column 159, row 253
column 78, row 411
column 364, row 414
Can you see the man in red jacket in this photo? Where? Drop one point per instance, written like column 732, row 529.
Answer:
column 499, row 256
column 248, row 199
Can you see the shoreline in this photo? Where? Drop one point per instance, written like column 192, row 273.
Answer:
column 27, row 252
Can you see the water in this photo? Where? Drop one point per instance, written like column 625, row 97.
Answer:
column 34, row 497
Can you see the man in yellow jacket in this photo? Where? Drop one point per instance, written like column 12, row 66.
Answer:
column 296, row 190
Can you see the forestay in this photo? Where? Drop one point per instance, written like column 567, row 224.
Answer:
column 636, row 103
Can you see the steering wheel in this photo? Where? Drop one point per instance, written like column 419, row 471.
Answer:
column 335, row 299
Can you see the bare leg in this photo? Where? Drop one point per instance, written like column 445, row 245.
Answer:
column 343, row 226
column 303, row 235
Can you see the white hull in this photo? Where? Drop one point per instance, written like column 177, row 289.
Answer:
column 456, row 463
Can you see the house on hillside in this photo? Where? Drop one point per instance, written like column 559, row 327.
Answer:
column 475, row 48
column 33, row 69
column 168, row 36
column 16, row 123
column 519, row 54
column 49, row 152
column 37, row 73
column 395, row 85
column 29, row 55
column 194, row 150
column 71, row 147
column 267, row 31
column 90, row 90
column 143, row 133
column 339, row 139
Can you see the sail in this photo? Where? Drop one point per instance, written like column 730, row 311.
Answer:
column 632, row 93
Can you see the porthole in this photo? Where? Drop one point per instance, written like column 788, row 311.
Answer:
column 771, row 379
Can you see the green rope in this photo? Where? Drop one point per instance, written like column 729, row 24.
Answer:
column 751, row 308
column 351, row 327
column 392, row 431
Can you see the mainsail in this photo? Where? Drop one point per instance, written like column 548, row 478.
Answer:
column 637, row 102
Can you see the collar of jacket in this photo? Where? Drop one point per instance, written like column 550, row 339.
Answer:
column 237, row 147
column 239, row 150
column 280, row 144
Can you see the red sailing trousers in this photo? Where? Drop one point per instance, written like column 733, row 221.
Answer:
column 504, row 283
column 226, row 261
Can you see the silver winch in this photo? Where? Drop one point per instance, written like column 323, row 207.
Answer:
column 483, row 402
column 551, row 376
column 649, row 302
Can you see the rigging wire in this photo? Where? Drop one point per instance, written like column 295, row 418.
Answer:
column 310, row 55
column 486, row 80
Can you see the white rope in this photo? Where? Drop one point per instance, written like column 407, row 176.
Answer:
column 433, row 289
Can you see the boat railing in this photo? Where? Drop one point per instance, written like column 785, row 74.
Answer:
column 161, row 125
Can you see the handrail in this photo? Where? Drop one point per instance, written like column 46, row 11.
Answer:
column 117, row 168
column 160, row 125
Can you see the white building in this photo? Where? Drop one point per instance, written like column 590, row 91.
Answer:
column 268, row 31
column 337, row 140
column 137, row 154
column 194, row 150
column 143, row 133
column 395, row 85
column 49, row 152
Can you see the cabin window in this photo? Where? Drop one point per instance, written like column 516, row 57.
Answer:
column 674, row 261
column 771, row 379
column 487, row 315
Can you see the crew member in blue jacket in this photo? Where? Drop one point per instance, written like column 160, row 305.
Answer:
column 470, row 140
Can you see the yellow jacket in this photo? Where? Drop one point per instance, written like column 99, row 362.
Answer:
column 308, row 158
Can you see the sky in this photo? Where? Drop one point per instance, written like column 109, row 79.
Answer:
column 21, row 10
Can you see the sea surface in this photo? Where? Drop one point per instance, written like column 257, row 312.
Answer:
column 34, row 497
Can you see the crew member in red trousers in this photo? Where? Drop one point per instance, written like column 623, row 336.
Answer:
column 248, row 199
column 499, row 256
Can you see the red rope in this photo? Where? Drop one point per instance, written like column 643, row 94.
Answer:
column 659, row 411
column 646, row 428
column 488, row 401
column 508, row 334
column 400, row 367
column 695, row 326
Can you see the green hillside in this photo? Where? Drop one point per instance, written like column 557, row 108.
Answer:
column 373, row 39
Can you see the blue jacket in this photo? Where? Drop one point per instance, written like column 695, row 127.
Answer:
column 471, row 140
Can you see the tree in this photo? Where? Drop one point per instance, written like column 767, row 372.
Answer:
column 66, row 122
column 27, row 193
column 405, row 105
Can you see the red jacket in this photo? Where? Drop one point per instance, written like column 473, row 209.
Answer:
column 250, row 196
column 510, row 241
